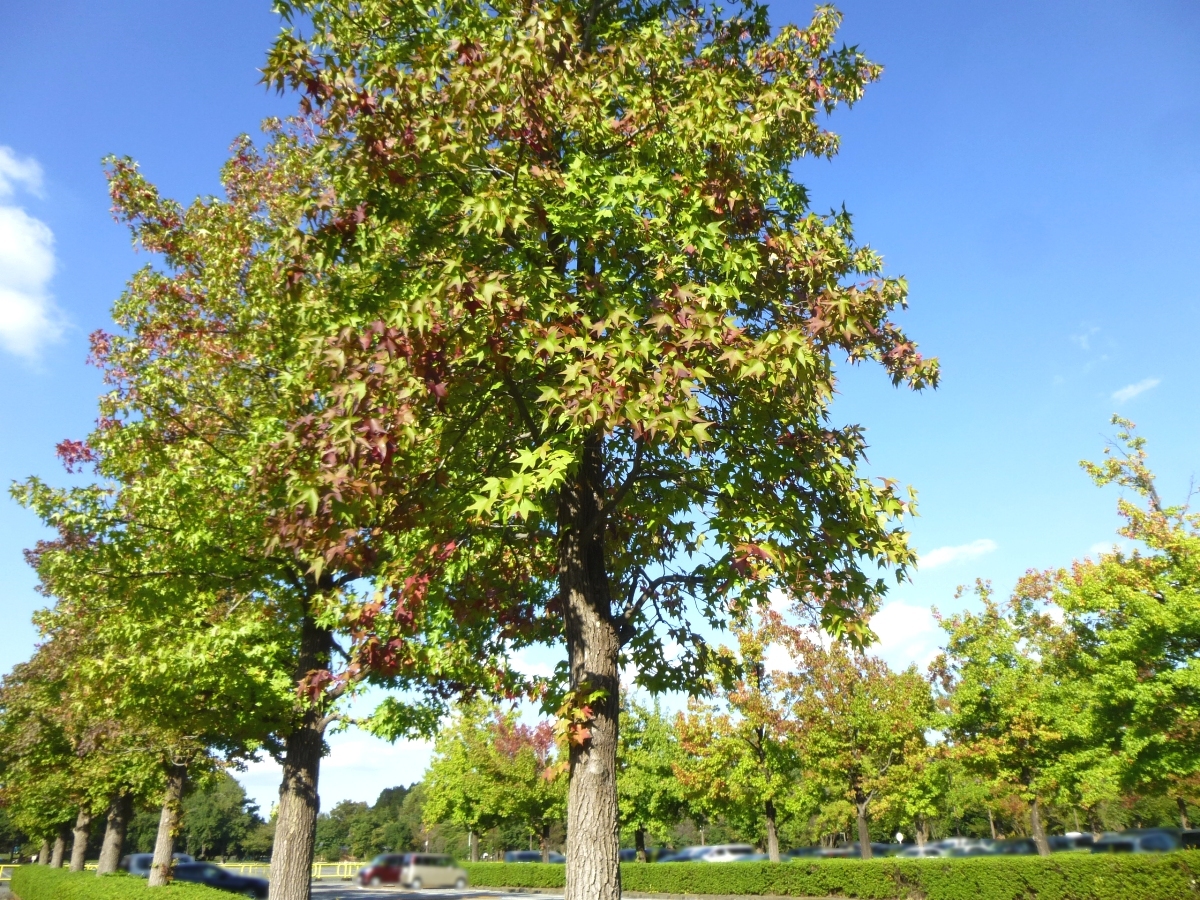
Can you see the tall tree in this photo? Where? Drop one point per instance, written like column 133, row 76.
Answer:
column 580, row 268
column 1133, row 620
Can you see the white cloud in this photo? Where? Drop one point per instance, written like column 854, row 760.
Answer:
column 28, row 318
column 907, row 634
column 1132, row 390
column 945, row 555
column 13, row 171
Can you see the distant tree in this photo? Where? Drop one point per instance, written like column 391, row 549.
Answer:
column 1009, row 716
column 218, row 819
column 858, row 722
column 648, row 791
column 490, row 769
column 743, row 762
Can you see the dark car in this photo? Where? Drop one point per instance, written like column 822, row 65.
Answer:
column 532, row 856
column 139, row 863
column 1141, row 840
column 223, row 880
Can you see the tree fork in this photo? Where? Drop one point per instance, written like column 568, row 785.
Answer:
column 116, row 826
column 169, row 822
column 299, row 802
column 593, row 645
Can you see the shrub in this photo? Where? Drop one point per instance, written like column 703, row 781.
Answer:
column 44, row 883
column 1168, row 876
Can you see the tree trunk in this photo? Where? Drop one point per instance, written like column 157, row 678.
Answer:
column 772, row 831
column 473, row 844
column 639, row 843
column 593, row 644
column 296, row 826
column 120, row 811
column 44, row 853
column 544, row 842
column 60, row 846
column 1183, row 816
column 169, row 822
column 992, row 823
column 864, row 832
column 79, row 839
column 922, row 831
column 1036, row 827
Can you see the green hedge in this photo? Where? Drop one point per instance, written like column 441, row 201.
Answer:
column 1068, row 876
column 43, row 883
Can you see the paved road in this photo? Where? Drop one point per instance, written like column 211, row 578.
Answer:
column 348, row 890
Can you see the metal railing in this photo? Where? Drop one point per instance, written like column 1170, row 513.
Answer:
column 6, row 870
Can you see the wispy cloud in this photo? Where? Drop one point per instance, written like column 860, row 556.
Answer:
column 1132, row 390
column 944, row 556
column 1084, row 338
column 15, row 172
column 28, row 319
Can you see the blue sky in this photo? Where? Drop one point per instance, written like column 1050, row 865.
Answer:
column 1032, row 168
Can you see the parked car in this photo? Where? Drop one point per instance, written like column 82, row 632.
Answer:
column 214, row 876
column 1140, row 840
column 851, row 851
column 139, row 863
column 534, row 856
column 653, row 854
column 686, row 854
column 724, row 853
column 926, row 851
column 413, row 870
column 1071, row 842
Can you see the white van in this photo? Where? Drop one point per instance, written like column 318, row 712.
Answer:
column 431, row 870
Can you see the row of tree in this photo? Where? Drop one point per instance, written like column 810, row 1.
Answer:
column 1076, row 702
column 522, row 331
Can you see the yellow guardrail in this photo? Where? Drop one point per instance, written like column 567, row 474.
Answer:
column 343, row 870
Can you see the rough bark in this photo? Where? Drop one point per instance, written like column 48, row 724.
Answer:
column 44, row 853
column 864, row 832
column 772, row 831
column 169, row 822
column 1183, row 816
column 593, row 644
column 295, row 832
column 639, row 842
column 79, row 839
column 60, row 846
column 120, row 811
column 1036, row 827
column 473, row 843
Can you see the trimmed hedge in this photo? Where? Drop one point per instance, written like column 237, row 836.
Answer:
column 1067, row 876
column 43, row 883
